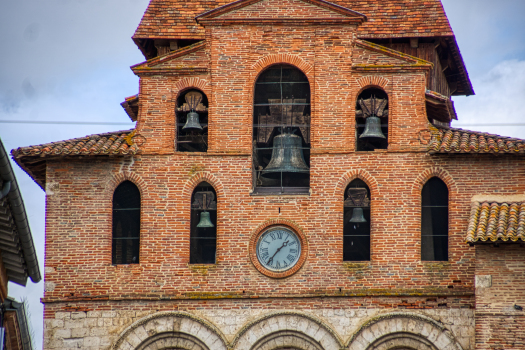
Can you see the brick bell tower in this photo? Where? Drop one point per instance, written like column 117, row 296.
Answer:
column 292, row 182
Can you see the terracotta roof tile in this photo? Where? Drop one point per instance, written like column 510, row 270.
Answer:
column 493, row 221
column 113, row 143
column 466, row 141
column 387, row 18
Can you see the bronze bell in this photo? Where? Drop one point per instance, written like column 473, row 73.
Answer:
column 373, row 128
column 192, row 121
column 357, row 216
column 205, row 220
column 287, row 156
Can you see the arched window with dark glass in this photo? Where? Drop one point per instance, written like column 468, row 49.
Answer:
column 372, row 120
column 192, row 121
column 126, row 224
column 434, row 221
column 203, row 235
column 356, row 226
column 281, row 131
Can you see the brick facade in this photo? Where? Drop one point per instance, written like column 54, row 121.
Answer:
column 395, row 300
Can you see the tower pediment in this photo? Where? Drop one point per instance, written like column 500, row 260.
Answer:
column 275, row 11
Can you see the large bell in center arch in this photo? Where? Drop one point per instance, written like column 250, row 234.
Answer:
column 287, row 157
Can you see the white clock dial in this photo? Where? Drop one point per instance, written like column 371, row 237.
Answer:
column 278, row 249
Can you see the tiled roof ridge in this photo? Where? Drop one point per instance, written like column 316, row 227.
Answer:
column 494, row 221
column 456, row 140
column 109, row 143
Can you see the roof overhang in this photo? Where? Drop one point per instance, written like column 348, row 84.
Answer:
column 18, row 252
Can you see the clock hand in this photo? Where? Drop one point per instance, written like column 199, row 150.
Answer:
column 284, row 245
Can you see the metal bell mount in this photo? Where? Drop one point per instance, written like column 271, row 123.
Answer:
column 357, row 216
column 373, row 128
column 287, row 156
column 205, row 220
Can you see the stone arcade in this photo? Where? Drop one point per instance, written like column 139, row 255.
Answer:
column 292, row 182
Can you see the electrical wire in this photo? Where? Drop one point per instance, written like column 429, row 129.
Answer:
column 60, row 122
column 55, row 122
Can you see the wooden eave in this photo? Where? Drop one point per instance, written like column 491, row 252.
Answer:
column 149, row 64
column 131, row 106
column 465, row 85
column 210, row 17
column 413, row 63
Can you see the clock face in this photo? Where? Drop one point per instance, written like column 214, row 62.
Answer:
column 278, row 249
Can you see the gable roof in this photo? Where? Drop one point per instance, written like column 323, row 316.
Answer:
column 466, row 141
column 493, row 221
column 175, row 19
column 32, row 159
column 327, row 11
column 17, row 249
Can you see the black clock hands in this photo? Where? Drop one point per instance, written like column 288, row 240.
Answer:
column 277, row 251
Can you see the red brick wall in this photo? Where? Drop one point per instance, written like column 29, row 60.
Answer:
column 79, row 225
column 498, row 324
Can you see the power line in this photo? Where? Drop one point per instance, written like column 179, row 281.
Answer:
column 516, row 124
column 59, row 122
column 56, row 122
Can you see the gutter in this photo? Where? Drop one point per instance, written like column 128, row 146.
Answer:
column 19, row 214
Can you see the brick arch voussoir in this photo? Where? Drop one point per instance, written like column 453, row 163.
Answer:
column 426, row 175
column 196, row 179
column 193, row 83
column 275, row 323
column 351, row 175
column 373, row 81
column 122, row 176
column 400, row 324
column 277, row 221
column 282, row 58
column 171, row 322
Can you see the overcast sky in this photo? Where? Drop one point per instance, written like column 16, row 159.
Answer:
column 68, row 60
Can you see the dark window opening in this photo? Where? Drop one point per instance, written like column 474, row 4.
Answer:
column 434, row 221
column 281, row 131
column 372, row 120
column 126, row 224
column 203, row 235
column 356, row 227
column 192, row 121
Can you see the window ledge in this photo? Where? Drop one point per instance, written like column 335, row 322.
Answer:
column 272, row 191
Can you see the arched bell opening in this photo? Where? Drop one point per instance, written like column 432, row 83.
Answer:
column 372, row 120
column 192, row 121
column 357, row 222
column 281, row 131
column 203, row 235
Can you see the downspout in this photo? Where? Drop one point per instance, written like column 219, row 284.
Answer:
column 19, row 215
